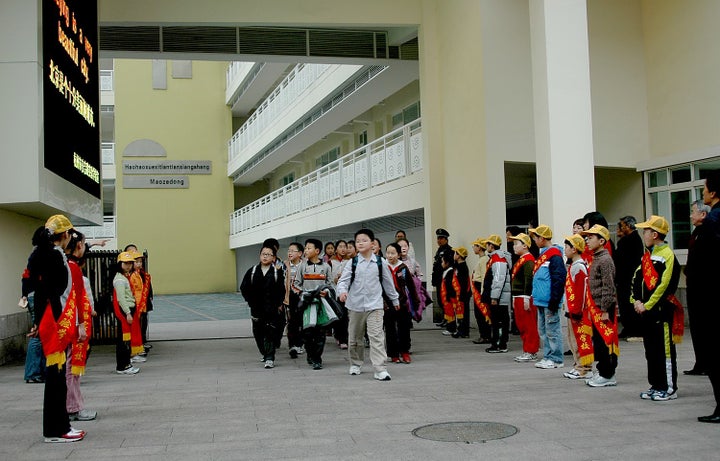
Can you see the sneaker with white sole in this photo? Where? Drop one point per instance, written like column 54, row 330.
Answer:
column 647, row 395
column 575, row 374
column 663, row 396
column 300, row 350
column 137, row 359
column 130, row 370
column 355, row 370
column 526, row 357
column 82, row 415
column 382, row 376
column 73, row 435
column 447, row 333
column 269, row 364
column 599, row 381
column 546, row 364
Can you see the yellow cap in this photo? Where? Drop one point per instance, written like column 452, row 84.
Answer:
column 577, row 242
column 495, row 240
column 57, row 224
column 597, row 229
column 524, row 238
column 462, row 251
column 543, row 230
column 656, row 223
column 479, row 242
column 137, row 254
column 126, row 257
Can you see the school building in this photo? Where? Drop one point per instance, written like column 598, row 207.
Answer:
column 221, row 123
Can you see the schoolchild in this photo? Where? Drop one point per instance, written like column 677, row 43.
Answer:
column 578, row 315
column 263, row 287
column 496, row 293
column 124, row 308
column 137, row 351
column 77, row 353
column 292, row 300
column 361, row 288
column 481, row 311
column 521, row 289
column 602, row 304
column 409, row 260
column 425, row 299
column 312, row 275
column 57, row 316
column 329, row 252
column 548, row 288
column 463, row 277
column 340, row 327
column 280, row 325
column 397, row 320
column 145, row 304
column 402, row 235
column 34, row 360
column 450, row 294
column 653, row 295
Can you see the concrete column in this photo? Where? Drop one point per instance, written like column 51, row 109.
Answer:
column 562, row 109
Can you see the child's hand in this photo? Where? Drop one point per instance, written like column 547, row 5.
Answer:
column 342, row 297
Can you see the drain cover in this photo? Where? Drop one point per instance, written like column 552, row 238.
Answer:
column 467, row 431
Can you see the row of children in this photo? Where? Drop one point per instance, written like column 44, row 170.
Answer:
column 358, row 296
column 536, row 288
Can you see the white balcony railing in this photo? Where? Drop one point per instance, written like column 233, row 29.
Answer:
column 285, row 94
column 108, row 153
column 108, row 230
column 106, row 80
column 396, row 155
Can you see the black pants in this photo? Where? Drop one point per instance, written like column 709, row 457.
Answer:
column 314, row 344
column 122, row 350
column 660, row 349
column 265, row 334
column 500, row 317
column 699, row 330
column 397, row 331
column 340, row 327
column 606, row 362
column 483, row 326
column 144, row 327
column 55, row 417
column 463, row 327
column 294, row 324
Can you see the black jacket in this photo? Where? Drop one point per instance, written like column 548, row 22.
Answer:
column 264, row 293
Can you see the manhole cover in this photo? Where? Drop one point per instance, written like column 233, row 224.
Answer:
column 468, row 431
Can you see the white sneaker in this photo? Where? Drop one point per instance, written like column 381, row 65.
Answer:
column 300, row 350
column 355, row 370
column 128, row 371
column 574, row 374
column 548, row 364
column 526, row 357
column 447, row 333
column 599, row 381
column 138, row 359
column 382, row 376
column 269, row 364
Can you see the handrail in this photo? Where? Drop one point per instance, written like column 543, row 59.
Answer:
column 396, row 155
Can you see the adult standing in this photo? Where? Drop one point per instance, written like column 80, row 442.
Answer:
column 707, row 276
column 437, row 271
column 695, row 302
column 627, row 258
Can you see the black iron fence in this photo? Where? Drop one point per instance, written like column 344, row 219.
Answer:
column 100, row 268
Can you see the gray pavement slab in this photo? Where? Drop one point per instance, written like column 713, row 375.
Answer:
column 213, row 400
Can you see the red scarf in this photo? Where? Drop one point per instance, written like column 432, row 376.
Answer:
column 545, row 257
column 651, row 279
column 56, row 336
column 575, row 296
column 138, row 288
column 80, row 348
column 452, row 307
column 479, row 305
column 608, row 329
column 520, row 263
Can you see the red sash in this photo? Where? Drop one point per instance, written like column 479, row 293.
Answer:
column 650, row 275
column 459, row 305
column 137, row 287
column 575, row 297
column 521, row 262
column 545, row 257
column 145, row 293
column 451, row 305
column 80, row 348
column 575, row 292
column 678, row 325
column 608, row 329
column 479, row 305
column 57, row 336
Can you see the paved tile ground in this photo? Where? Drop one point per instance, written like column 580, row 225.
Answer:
column 212, row 400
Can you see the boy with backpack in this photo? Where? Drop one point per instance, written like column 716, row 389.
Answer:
column 361, row 287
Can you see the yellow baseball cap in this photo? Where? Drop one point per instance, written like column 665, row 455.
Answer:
column 495, row 240
column 576, row 241
column 524, row 238
column 462, row 251
column 137, row 254
column 656, row 223
column 57, row 224
column 543, row 230
column 597, row 229
column 479, row 242
column 126, row 257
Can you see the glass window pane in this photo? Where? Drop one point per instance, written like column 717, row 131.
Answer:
column 701, row 169
column 680, row 226
column 657, row 178
column 660, row 203
column 680, row 175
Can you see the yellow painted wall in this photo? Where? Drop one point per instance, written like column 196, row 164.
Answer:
column 184, row 230
column 683, row 66
column 15, row 247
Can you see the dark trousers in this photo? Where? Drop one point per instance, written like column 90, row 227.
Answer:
column 122, row 350
column 314, row 344
column 483, row 326
column 340, row 327
column 55, row 417
column 500, row 317
column 631, row 321
column 265, row 334
column 144, row 326
column 660, row 350
column 294, row 323
column 698, row 331
column 606, row 362
column 397, row 331
column 463, row 327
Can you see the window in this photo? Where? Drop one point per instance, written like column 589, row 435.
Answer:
column 328, row 157
column 670, row 191
column 287, row 179
column 408, row 114
column 362, row 139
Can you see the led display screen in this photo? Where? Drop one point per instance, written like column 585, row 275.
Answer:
column 71, row 98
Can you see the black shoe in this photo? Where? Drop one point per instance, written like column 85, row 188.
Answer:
column 493, row 350
column 293, row 353
column 442, row 324
column 695, row 372
column 714, row 418
column 481, row 340
column 567, row 353
column 35, row 381
column 317, row 366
